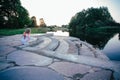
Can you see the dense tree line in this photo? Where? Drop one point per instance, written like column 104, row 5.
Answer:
column 13, row 14
column 92, row 17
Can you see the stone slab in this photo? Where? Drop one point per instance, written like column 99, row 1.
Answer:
column 72, row 48
column 2, row 58
column 63, row 47
column 45, row 43
column 11, row 40
column 53, row 45
column 84, row 50
column 69, row 69
column 30, row 73
column 28, row 58
column 100, row 75
column 4, row 50
column 4, row 65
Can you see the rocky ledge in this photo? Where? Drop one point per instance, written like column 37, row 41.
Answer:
column 49, row 57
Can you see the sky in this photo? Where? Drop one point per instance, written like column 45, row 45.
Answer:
column 60, row 12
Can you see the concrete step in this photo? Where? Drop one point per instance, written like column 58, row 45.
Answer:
column 63, row 46
column 53, row 45
column 46, row 42
column 72, row 47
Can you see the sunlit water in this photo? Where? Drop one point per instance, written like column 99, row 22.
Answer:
column 112, row 48
column 60, row 33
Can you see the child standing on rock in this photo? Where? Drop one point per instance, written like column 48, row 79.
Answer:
column 26, row 37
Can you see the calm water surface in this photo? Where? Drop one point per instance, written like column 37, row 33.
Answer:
column 112, row 48
column 60, row 33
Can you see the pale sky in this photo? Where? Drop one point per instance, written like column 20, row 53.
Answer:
column 59, row 12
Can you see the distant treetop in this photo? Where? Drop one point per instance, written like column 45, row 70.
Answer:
column 92, row 17
column 13, row 14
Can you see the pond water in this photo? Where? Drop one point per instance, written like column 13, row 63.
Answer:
column 60, row 33
column 108, row 43
column 112, row 48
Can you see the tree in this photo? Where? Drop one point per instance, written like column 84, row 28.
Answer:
column 92, row 17
column 34, row 22
column 13, row 15
column 42, row 23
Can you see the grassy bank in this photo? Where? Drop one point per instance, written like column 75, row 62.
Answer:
column 8, row 32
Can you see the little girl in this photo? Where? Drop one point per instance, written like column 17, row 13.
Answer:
column 26, row 37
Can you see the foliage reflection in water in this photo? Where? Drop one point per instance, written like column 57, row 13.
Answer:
column 107, row 42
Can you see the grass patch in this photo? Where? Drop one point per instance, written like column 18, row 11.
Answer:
column 8, row 32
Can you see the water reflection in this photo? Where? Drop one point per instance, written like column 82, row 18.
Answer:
column 98, row 39
column 119, row 36
column 112, row 48
column 108, row 42
column 60, row 33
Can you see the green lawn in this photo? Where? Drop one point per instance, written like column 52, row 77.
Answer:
column 7, row 32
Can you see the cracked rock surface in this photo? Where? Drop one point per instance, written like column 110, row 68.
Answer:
column 51, row 57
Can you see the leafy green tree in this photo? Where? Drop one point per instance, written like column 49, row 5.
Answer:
column 92, row 17
column 12, row 14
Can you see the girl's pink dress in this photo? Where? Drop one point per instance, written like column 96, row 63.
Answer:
column 25, row 38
